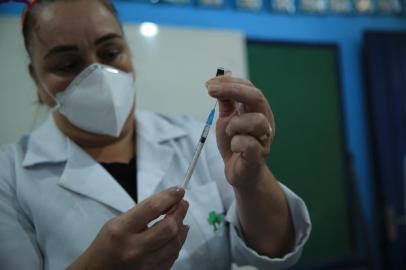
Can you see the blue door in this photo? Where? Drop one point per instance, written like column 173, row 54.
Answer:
column 385, row 78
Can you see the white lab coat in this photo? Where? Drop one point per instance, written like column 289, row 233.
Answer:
column 54, row 198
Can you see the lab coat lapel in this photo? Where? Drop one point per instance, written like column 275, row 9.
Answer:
column 153, row 161
column 45, row 144
column 154, row 151
column 83, row 175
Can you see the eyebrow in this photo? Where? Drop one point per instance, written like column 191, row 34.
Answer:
column 107, row 37
column 69, row 48
column 61, row 49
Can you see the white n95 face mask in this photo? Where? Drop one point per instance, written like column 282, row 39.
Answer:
column 99, row 100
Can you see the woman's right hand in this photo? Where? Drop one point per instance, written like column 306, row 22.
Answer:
column 126, row 242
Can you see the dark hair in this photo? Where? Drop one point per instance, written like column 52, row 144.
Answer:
column 29, row 16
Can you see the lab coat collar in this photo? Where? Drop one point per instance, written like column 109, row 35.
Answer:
column 81, row 174
column 84, row 176
column 157, row 128
column 45, row 144
column 48, row 144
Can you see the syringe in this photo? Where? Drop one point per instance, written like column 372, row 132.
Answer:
column 202, row 140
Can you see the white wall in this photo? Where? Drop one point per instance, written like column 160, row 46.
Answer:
column 18, row 110
column 171, row 69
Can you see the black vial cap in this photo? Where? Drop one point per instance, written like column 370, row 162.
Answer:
column 220, row 72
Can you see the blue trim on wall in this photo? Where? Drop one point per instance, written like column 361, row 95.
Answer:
column 11, row 9
column 345, row 31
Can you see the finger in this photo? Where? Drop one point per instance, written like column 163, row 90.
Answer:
column 138, row 217
column 251, row 97
column 250, row 148
column 226, row 107
column 167, row 229
column 229, row 79
column 261, row 105
column 254, row 124
column 168, row 254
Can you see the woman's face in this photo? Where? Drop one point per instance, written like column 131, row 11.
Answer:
column 68, row 37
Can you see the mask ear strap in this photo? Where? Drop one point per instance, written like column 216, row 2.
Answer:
column 58, row 104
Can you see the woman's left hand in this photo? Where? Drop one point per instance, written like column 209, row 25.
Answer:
column 244, row 138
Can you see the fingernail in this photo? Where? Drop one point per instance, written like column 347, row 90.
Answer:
column 180, row 191
column 228, row 72
column 240, row 108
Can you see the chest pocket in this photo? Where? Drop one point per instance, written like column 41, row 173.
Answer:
column 206, row 246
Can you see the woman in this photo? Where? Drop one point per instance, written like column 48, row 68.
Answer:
column 67, row 190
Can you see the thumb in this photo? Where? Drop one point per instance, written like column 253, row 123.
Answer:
column 138, row 217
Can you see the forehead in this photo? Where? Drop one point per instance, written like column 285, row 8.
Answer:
column 73, row 22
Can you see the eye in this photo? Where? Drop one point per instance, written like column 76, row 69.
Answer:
column 67, row 67
column 109, row 55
